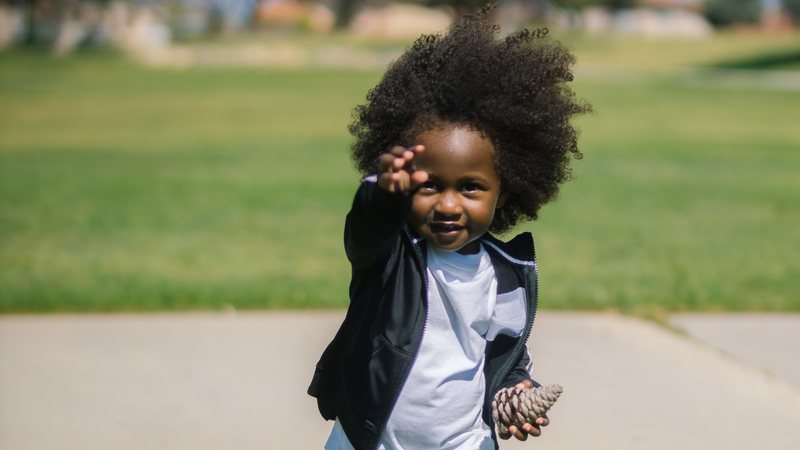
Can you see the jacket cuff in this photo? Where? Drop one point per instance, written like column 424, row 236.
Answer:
column 393, row 207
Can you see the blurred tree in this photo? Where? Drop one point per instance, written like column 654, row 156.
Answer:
column 792, row 7
column 729, row 12
column 610, row 4
column 44, row 18
column 345, row 10
column 31, row 6
column 459, row 7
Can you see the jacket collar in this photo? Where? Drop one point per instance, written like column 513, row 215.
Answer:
column 519, row 250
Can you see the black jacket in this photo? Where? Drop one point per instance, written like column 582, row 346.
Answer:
column 360, row 374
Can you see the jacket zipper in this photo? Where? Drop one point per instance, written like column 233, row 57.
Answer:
column 504, row 373
column 421, row 263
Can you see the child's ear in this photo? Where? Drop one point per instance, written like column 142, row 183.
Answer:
column 501, row 199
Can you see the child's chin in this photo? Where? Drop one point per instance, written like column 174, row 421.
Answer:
column 448, row 243
column 457, row 246
column 447, row 248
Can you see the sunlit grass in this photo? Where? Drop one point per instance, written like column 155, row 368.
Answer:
column 123, row 188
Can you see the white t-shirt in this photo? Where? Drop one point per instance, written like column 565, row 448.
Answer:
column 441, row 403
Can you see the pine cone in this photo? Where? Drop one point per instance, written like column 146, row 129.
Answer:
column 514, row 406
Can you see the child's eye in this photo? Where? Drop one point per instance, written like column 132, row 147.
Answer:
column 471, row 187
column 428, row 186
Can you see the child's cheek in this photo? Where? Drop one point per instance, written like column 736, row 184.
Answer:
column 418, row 216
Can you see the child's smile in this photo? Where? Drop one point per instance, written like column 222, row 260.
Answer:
column 456, row 205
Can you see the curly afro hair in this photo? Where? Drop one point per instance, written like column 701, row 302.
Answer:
column 512, row 89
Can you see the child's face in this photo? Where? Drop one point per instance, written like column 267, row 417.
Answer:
column 456, row 205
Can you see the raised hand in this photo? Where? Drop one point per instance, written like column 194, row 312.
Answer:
column 396, row 170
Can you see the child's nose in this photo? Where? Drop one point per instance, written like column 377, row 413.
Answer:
column 448, row 205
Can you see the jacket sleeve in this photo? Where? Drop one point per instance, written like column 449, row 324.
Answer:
column 521, row 371
column 373, row 223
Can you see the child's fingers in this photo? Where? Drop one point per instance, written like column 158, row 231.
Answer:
column 523, row 433
column 418, row 177
column 392, row 160
column 532, row 430
column 405, row 157
column 524, row 384
column 416, row 149
column 398, row 157
column 400, row 162
column 400, row 152
column 395, row 172
column 386, row 162
column 517, row 433
column 542, row 421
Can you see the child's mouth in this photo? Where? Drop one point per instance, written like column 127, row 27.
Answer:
column 446, row 228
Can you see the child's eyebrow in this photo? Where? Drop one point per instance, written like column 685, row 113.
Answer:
column 473, row 177
column 470, row 177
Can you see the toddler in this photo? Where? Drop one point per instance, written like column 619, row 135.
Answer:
column 466, row 135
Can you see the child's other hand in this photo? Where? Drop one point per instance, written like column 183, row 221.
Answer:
column 532, row 429
column 396, row 172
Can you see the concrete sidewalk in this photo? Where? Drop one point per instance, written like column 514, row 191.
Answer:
column 766, row 341
column 227, row 381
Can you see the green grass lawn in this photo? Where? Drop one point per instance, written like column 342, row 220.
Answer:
column 125, row 188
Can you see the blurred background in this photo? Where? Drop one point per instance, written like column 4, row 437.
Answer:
column 193, row 154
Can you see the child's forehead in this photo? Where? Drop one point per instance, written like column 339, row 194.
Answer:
column 456, row 150
column 455, row 136
column 430, row 122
